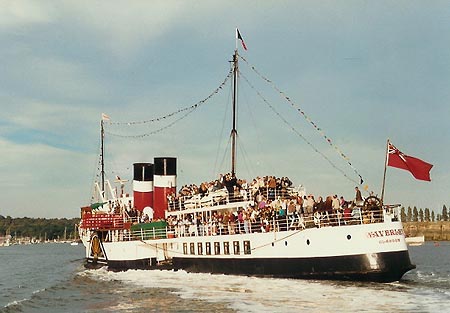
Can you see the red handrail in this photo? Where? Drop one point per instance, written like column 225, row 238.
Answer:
column 104, row 221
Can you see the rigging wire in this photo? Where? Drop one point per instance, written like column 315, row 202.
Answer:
column 225, row 153
column 259, row 134
column 245, row 157
column 219, row 142
column 296, row 131
column 316, row 127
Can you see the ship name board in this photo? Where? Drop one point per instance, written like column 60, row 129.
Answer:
column 385, row 233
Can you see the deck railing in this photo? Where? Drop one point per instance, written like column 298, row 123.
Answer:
column 276, row 224
column 105, row 221
column 222, row 196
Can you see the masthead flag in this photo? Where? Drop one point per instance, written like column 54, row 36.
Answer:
column 418, row 168
column 105, row 117
column 238, row 36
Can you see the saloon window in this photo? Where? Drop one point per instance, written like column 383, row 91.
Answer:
column 216, row 247
column 226, row 247
column 247, row 249
column 236, row 247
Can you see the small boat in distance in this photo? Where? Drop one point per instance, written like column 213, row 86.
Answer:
column 234, row 226
column 415, row 241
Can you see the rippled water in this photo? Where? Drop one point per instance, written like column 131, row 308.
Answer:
column 51, row 278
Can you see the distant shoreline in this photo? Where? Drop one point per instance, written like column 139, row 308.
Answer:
column 433, row 231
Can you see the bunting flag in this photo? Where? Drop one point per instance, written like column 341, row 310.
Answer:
column 238, row 36
column 418, row 168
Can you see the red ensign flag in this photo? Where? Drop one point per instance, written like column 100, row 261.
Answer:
column 418, row 168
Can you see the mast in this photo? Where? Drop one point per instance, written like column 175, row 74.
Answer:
column 234, row 103
column 102, row 162
column 385, row 167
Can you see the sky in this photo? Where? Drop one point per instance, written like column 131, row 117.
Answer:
column 361, row 71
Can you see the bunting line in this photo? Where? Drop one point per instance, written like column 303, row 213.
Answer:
column 194, row 106
column 316, row 127
column 296, row 131
column 153, row 132
column 189, row 110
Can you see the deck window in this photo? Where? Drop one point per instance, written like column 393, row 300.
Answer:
column 247, row 249
column 208, row 248
column 184, row 247
column 216, row 247
column 226, row 247
column 200, row 248
column 192, row 246
column 236, row 247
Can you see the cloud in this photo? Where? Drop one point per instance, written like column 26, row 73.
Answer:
column 17, row 14
column 50, row 77
column 123, row 27
column 42, row 180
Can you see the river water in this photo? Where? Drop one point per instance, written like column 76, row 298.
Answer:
column 51, row 278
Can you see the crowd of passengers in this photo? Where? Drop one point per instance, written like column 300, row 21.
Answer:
column 275, row 206
column 237, row 189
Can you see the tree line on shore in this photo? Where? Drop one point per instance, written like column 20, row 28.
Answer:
column 420, row 215
column 39, row 229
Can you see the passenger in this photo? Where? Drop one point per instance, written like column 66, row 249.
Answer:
column 241, row 221
column 291, row 214
column 347, row 213
column 335, row 205
column 226, row 223
column 262, row 203
column 193, row 230
column 144, row 218
column 272, row 185
column 282, row 218
column 342, row 201
column 203, row 189
column 232, row 223
column 220, row 227
column 305, row 203
column 319, row 205
column 246, row 220
column 356, row 213
column 299, row 206
column 310, row 204
column 199, row 224
column 359, row 201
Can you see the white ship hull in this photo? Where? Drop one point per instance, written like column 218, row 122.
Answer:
column 376, row 252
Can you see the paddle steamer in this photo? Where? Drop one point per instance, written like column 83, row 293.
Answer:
column 204, row 232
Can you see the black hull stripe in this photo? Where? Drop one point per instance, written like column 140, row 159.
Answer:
column 381, row 267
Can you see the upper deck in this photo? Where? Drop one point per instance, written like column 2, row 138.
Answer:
column 218, row 213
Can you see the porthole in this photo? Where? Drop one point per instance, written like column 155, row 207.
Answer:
column 285, row 243
column 349, row 237
column 308, row 242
